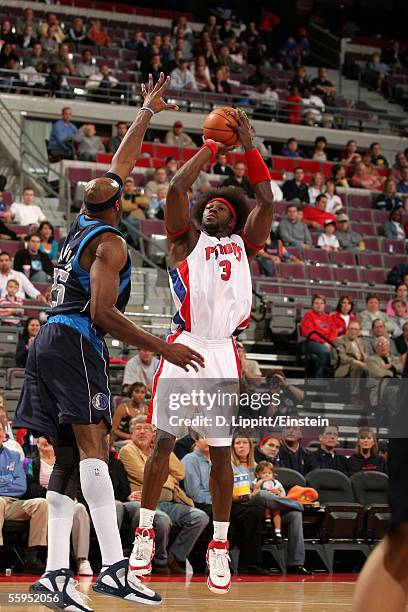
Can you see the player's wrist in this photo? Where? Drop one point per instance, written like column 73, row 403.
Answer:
column 210, row 144
column 257, row 169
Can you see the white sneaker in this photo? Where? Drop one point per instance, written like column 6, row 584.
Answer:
column 62, row 585
column 84, row 568
column 219, row 574
column 140, row 560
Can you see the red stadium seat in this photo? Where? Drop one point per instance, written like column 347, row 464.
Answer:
column 327, row 168
column 394, row 247
column 276, row 175
column 373, row 276
column 316, row 256
column 10, row 246
column 394, row 260
column 365, row 229
column 147, row 147
column 370, row 260
column 158, row 162
column 164, row 151
column 372, row 243
column 104, row 158
column 144, row 162
column 360, row 215
column 291, row 271
column 152, row 226
column 346, row 275
column 319, row 274
column 188, row 153
column 343, row 258
column 308, row 165
column 287, row 164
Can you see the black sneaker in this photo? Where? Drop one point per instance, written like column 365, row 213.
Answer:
column 117, row 581
column 61, row 583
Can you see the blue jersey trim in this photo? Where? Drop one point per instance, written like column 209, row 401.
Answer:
column 85, row 223
column 82, row 325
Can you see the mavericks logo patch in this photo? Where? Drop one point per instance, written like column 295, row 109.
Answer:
column 100, row 401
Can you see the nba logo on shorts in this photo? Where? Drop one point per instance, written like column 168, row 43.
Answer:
column 100, row 401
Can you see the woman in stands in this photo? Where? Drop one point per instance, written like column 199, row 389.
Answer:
column 128, row 410
column 343, row 315
column 364, row 179
column 350, row 155
column 31, row 329
column 401, row 293
column 267, row 449
column 316, row 320
column 49, row 246
column 366, row 457
column 319, row 149
column 317, row 186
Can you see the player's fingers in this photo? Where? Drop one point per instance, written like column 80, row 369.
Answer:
column 170, row 106
column 193, row 365
column 143, row 89
column 198, row 358
column 150, row 85
column 164, row 83
column 159, row 83
column 231, row 126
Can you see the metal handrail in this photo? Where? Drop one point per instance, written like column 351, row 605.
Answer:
column 334, row 347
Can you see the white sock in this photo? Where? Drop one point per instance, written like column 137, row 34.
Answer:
column 98, row 491
column 146, row 518
column 60, row 516
column 220, row 531
column 277, row 531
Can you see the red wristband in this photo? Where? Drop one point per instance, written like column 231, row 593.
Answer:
column 211, row 145
column 257, row 169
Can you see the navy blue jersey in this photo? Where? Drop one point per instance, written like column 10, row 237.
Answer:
column 71, row 291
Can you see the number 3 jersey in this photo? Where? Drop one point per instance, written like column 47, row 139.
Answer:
column 212, row 288
column 71, row 291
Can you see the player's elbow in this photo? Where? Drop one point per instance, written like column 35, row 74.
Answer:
column 99, row 315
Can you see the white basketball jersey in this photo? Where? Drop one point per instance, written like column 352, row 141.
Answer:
column 212, row 288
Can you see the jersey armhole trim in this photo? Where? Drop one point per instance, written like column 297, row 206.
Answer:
column 250, row 244
column 179, row 233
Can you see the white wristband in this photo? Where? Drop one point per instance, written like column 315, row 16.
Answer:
column 148, row 109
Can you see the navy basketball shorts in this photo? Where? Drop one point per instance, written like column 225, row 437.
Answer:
column 66, row 383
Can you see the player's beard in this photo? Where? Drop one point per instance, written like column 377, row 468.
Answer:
column 211, row 228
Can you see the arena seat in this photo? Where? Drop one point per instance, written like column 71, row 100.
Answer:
column 10, row 246
column 346, row 275
column 291, row 271
column 394, row 260
column 361, row 215
column 373, row 276
column 290, row 478
column 370, row 260
column 343, row 258
column 163, row 151
column 396, row 247
column 104, row 158
column 15, row 378
column 321, row 274
column 371, row 491
column 318, row 256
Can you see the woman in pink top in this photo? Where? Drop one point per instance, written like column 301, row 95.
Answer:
column 362, row 178
column 401, row 293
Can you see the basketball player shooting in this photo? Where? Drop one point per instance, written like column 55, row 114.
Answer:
column 66, row 394
column 211, row 286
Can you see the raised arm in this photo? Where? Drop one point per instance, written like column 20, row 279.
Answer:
column 109, row 255
column 124, row 159
column 259, row 223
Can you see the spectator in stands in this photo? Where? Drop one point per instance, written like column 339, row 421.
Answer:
column 26, row 288
column 401, row 315
column 401, row 293
column 402, row 341
column 178, row 137
column 49, row 245
column 376, row 73
column 63, row 60
column 294, row 51
column 226, row 30
column 389, row 200
column 159, row 180
column 182, row 77
column 300, row 80
column 383, row 365
column 291, row 149
column 292, row 455
column 60, row 140
column 327, row 240
column 317, row 186
column 296, row 190
column 51, row 40
column 171, row 167
column 353, row 354
column 134, row 204
column 30, row 330
column 27, row 20
column 334, row 202
column 238, row 179
column 250, row 369
column 35, row 263
column 27, row 39
column 140, row 368
column 343, row 315
column 265, row 99
column 7, row 36
column 377, row 159
column 173, row 501
column 339, row 176
column 88, row 144
column 5, row 214
column 294, row 105
column 313, row 110
column 372, row 313
column 316, row 216
column 25, row 212
column 37, row 56
column 402, row 186
column 126, row 411
column 326, row 455
column 221, row 81
column 157, row 203
column 366, row 457
column 87, row 66
column 52, row 24
column 348, row 239
column 103, row 85
column 268, row 449
column 138, row 43
column 10, row 304
column 211, row 27
column 319, row 150
column 393, row 229
column 7, row 53
column 115, row 141
column 379, row 330
column 316, row 320
column 321, row 86
column 39, row 473
column 97, row 35
column 351, row 154
column 224, row 58
column 13, row 486
column 221, row 167
column 245, row 518
column 203, row 80
column 364, row 179
column 250, row 37
column 77, row 32
column 400, row 163
column 292, row 231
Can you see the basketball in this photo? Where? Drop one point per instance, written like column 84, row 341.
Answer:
column 216, row 126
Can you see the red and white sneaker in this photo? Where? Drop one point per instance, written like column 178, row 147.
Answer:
column 219, row 574
column 140, row 560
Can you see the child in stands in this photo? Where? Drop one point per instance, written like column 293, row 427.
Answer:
column 265, row 481
column 9, row 303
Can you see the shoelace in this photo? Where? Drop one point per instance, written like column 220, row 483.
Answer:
column 140, row 542
column 220, row 560
column 77, row 596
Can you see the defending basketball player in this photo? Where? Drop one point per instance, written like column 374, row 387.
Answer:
column 211, row 285
column 66, row 392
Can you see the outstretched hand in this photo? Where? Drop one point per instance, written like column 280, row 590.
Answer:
column 243, row 129
column 153, row 95
column 221, row 147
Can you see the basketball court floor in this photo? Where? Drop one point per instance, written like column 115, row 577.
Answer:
column 317, row 593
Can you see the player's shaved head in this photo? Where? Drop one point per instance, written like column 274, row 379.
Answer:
column 102, row 199
column 100, row 190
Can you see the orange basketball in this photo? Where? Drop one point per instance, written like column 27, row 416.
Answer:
column 216, row 128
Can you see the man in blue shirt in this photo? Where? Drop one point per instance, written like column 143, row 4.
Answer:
column 13, row 486
column 59, row 143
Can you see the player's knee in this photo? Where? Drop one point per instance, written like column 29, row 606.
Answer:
column 161, row 451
